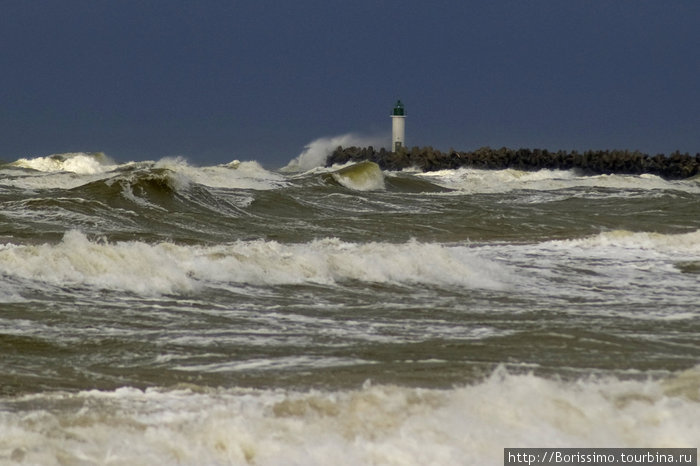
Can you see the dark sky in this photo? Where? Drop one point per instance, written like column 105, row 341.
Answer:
column 221, row 80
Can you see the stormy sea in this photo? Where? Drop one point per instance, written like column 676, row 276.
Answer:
column 160, row 312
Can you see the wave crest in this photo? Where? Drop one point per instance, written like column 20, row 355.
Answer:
column 362, row 176
column 167, row 268
column 82, row 163
column 474, row 180
column 683, row 243
column 374, row 424
column 317, row 151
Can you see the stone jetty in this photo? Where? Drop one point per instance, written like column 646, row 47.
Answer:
column 673, row 166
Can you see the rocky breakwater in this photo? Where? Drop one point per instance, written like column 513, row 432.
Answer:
column 673, row 166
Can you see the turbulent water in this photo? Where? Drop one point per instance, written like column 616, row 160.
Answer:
column 163, row 313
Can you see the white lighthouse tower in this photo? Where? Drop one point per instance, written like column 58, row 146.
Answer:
column 398, row 126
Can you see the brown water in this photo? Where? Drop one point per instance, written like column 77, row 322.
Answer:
column 341, row 311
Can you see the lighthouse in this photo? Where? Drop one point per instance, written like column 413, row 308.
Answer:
column 398, row 126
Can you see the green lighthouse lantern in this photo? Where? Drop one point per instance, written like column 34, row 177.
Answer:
column 398, row 109
column 398, row 126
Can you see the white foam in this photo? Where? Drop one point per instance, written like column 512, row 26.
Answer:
column 24, row 211
column 59, row 180
column 64, row 171
column 385, row 425
column 680, row 243
column 168, row 268
column 235, row 174
column 74, row 162
column 496, row 181
column 472, row 180
column 317, row 151
column 639, row 269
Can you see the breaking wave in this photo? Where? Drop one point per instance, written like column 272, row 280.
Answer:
column 233, row 175
column 317, row 151
column 472, row 180
column 67, row 171
column 682, row 243
column 381, row 424
column 363, row 176
column 76, row 162
column 166, row 268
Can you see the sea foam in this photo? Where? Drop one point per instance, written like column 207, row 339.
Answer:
column 235, row 174
column 682, row 243
column 145, row 268
column 75, row 162
column 63, row 171
column 371, row 425
column 317, row 151
column 472, row 180
column 634, row 268
column 68, row 171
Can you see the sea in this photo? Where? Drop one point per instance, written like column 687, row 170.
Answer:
column 163, row 312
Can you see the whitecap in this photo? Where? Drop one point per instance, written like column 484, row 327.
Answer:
column 164, row 268
column 317, row 151
column 75, row 162
column 372, row 424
